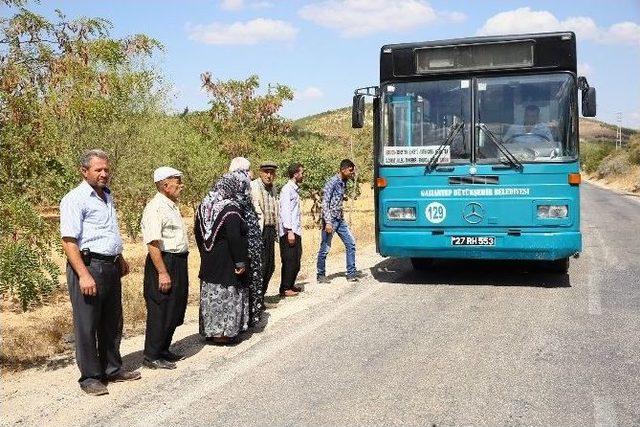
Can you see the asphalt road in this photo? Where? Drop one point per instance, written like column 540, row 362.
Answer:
column 469, row 344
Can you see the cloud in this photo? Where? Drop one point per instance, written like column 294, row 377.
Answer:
column 243, row 33
column 231, row 4
column 235, row 5
column 525, row 20
column 585, row 69
column 261, row 5
column 452, row 17
column 357, row 18
column 626, row 32
column 309, row 93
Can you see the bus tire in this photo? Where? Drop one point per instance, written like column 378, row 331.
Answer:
column 421, row 264
column 559, row 266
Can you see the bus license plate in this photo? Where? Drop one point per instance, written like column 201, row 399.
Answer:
column 473, row 241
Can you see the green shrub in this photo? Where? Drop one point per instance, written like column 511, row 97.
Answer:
column 634, row 149
column 592, row 154
column 26, row 270
column 616, row 163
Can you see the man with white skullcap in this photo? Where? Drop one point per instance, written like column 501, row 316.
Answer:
column 239, row 163
column 166, row 278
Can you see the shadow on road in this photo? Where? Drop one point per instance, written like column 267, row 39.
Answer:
column 191, row 345
column 470, row 272
column 187, row 346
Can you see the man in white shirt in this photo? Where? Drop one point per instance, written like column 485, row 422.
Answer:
column 166, row 276
column 290, row 231
column 532, row 130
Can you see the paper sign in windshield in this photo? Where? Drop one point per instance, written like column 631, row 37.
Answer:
column 415, row 155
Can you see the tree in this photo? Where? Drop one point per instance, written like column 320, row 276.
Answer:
column 245, row 122
column 64, row 86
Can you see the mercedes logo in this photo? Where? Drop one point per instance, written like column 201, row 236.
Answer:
column 473, row 213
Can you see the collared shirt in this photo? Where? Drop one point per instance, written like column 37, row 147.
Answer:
column 266, row 202
column 290, row 212
column 332, row 197
column 518, row 133
column 91, row 220
column 161, row 221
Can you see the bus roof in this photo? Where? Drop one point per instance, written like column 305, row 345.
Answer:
column 480, row 39
column 555, row 51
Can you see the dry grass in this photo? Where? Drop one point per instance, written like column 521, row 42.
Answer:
column 33, row 337
column 628, row 182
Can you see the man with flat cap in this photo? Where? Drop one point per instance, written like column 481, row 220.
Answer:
column 166, row 277
column 265, row 201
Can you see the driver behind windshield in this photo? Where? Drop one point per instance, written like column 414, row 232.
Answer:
column 531, row 130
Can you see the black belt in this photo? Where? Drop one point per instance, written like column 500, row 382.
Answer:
column 176, row 254
column 109, row 258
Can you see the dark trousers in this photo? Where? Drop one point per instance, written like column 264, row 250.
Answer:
column 269, row 236
column 97, row 318
column 165, row 311
column 290, row 256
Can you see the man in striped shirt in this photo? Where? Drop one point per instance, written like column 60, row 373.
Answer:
column 265, row 201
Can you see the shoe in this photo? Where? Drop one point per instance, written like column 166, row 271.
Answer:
column 360, row 274
column 222, row 341
column 173, row 357
column 124, row 376
column 94, row 387
column 322, row 279
column 158, row 364
column 288, row 293
column 352, row 279
column 297, row 289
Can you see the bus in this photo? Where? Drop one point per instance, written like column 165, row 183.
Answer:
column 476, row 149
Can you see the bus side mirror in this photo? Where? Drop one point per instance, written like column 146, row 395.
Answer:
column 357, row 112
column 589, row 102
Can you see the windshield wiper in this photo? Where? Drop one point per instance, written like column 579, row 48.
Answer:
column 513, row 160
column 433, row 161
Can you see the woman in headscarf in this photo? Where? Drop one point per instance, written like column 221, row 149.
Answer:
column 229, row 241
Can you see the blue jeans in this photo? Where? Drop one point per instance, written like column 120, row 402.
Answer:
column 341, row 228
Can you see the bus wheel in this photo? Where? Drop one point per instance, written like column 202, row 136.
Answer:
column 421, row 263
column 559, row 266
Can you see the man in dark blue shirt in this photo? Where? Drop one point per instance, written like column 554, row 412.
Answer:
column 333, row 222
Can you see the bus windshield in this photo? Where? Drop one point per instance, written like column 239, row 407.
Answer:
column 531, row 116
column 418, row 117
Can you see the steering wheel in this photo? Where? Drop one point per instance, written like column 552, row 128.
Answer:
column 542, row 137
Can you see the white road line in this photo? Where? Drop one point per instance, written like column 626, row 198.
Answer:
column 604, row 412
column 596, row 276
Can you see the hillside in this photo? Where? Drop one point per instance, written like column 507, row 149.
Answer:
column 591, row 129
column 337, row 124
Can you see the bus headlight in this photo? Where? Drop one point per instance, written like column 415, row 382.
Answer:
column 552, row 211
column 401, row 214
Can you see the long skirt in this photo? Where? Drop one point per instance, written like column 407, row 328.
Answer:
column 224, row 310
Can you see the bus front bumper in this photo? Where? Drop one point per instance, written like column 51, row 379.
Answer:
column 526, row 246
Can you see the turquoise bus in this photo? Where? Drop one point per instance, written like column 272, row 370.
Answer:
column 476, row 150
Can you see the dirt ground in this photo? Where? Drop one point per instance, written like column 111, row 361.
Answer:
column 627, row 183
column 49, row 393
column 43, row 337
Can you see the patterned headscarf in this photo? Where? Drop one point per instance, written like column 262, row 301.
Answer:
column 233, row 189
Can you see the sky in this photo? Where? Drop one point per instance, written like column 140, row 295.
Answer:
column 324, row 49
